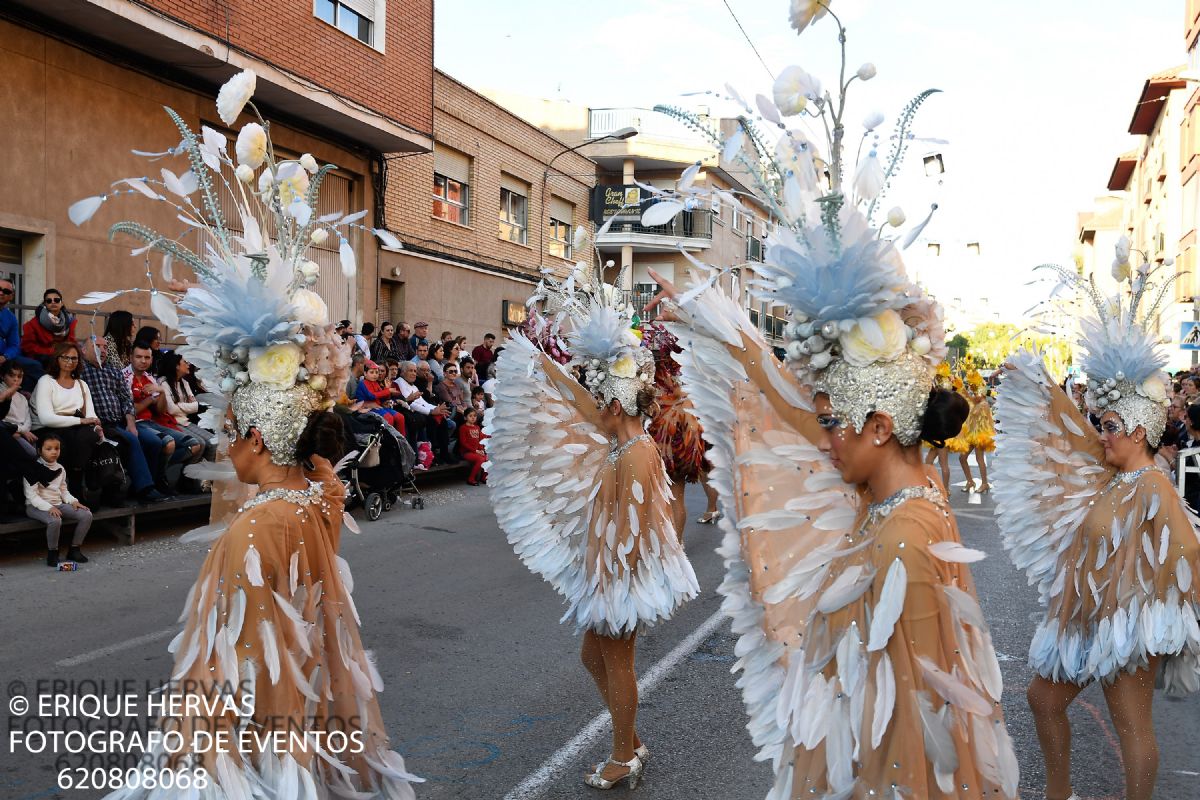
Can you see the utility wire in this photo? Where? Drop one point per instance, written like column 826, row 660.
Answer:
column 748, row 40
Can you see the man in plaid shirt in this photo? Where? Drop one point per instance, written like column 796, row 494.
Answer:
column 140, row 449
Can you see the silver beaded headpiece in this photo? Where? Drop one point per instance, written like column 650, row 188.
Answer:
column 279, row 415
column 1122, row 357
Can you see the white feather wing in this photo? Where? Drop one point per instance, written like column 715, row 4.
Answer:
column 539, row 503
column 779, row 542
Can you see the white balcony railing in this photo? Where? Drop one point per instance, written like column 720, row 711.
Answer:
column 650, row 124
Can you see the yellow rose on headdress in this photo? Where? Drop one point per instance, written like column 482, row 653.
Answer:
column 624, row 367
column 879, row 338
column 277, row 366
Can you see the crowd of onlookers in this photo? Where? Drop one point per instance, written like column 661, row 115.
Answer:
column 431, row 390
column 97, row 418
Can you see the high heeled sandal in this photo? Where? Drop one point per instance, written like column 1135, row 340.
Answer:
column 641, row 751
column 984, row 489
column 968, row 487
column 708, row 517
column 597, row 781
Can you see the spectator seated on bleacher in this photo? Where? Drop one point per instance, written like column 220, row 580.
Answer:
column 52, row 325
column 177, row 378
column 62, row 401
column 140, row 448
column 52, row 502
column 150, row 410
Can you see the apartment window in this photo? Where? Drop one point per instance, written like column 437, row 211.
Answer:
column 973, row 248
column 450, row 199
column 353, row 17
column 451, row 185
column 559, row 231
column 934, row 249
column 738, row 216
column 514, row 209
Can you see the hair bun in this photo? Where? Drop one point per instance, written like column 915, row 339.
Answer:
column 945, row 414
column 324, row 436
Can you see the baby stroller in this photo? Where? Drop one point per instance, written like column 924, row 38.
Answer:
column 383, row 468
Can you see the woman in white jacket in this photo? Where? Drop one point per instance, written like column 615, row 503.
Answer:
column 62, row 401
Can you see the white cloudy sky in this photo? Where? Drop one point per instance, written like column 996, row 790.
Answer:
column 1037, row 99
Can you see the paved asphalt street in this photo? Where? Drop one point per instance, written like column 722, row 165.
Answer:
column 485, row 696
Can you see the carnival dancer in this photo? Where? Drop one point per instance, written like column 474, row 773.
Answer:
column 676, row 430
column 580, row 490
column 270, row 640
column 1101, row 531
column 979, row 432
column 868, row 670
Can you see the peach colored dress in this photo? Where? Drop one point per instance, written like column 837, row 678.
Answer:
column 271, row 622
column 1115, row 556
column 591, row 517
column 867, row 668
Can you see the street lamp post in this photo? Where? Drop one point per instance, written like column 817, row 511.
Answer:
column 618, row 135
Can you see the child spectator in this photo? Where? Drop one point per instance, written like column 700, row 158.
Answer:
column 480, row 400
column 13, row 374
column 376, row 395
column 470, row 447
column 52, row 502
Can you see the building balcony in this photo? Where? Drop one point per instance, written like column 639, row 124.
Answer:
column 690, row 229
column 755, row 249
column 662, row 141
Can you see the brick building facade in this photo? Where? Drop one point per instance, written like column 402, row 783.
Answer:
column 462, row 266
column 86, row 81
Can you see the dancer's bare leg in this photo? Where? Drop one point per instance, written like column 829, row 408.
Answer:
column 944, row 465
column 710, row 494
column 678, row 508
column 592, row 657
column 1049, row 700
column 622, row 698
column 966, row 468
column 981, row 460
column 1129, row 699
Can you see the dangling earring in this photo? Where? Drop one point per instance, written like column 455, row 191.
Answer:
column 878, row 443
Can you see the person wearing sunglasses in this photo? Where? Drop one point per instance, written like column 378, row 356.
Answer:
column 1101, row 531
column 50, row 326
column 10, row 339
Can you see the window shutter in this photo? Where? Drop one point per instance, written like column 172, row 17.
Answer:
column 561, row 210
column 364, row 7
column 515, row 185
column 451, row 163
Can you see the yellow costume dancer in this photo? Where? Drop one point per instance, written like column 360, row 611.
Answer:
column 959, row 444
column 980, row 430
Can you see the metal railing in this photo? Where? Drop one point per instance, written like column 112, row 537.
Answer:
column 687, row 225
column 649, row 123
column 754, row 249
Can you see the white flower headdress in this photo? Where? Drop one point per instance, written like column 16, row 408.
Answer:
column 601, row 331
column 1122, row 357
column 254, row 329
column 859, row 329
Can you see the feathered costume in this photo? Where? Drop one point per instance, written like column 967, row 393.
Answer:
column 1115, row 555
column 867, row 668
column 675, row 428
column 980, row 427
column 590, row 517
column 270, row 625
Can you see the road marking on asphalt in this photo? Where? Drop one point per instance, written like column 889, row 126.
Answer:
column 128, row 644
column 977, row 517
column 538, row 781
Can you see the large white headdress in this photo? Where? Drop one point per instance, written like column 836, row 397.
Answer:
column 256, row 332
column 1122, row 356
column 859, row 330
column 600, row 329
